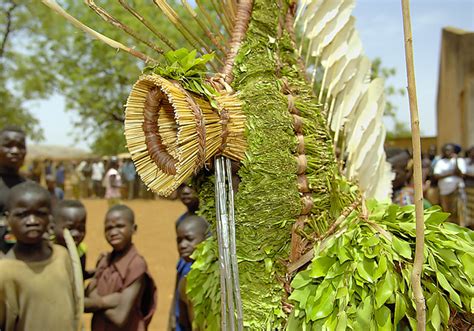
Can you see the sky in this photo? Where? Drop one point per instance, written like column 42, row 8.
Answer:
column 379, row 23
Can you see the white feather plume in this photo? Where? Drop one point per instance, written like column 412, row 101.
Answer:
column 354, row 104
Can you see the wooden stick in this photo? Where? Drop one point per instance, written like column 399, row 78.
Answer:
column 415, row 129
column 215, row 41
column 52, row 4
column 147, row 24
column 115, row 22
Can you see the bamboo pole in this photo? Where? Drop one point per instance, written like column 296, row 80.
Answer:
column 415, row 129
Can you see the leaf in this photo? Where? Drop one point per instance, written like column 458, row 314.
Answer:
column 436, row 318
column 301, row 279
column 432, row 262
column 383, row 318
column 342, row 321
column 444, row 309
column 343, row 255
column 324, row 306
column 300, row 296
column 382, row 267
column 400, row 308
column 364, row 314
column 448, row 257
column 366, row 269
column 401, row 247
column 445, row 284
column 383, row 291
column 320, row 266
column 468, row 264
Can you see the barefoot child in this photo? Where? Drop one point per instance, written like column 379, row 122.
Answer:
column 191, row 231
column 36, row 280
column 122, row 294
column 71, row 215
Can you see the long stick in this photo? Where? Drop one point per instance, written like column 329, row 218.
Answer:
column 233, row 249
column 415, row 129
column 112, row 43
column 221, row 247
column 116, row 23
column 225, row 238
column 147, row 24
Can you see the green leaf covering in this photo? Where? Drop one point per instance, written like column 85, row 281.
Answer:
column 183, row 65
column 375, row 292
column 360, row 278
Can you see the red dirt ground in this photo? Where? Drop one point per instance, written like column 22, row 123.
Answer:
column 155, row 240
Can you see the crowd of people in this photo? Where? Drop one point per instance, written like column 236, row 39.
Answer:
column 89, row 178
column 36, row 272
column 448, row 180
column 37, row 280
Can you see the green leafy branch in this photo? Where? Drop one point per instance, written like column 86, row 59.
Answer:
column 360, row 279
column 182, row 65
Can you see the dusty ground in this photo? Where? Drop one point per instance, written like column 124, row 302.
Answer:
column 155, row 240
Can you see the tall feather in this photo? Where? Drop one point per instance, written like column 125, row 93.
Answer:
column 354, row 104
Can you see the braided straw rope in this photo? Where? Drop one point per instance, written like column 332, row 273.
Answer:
column 171, row 132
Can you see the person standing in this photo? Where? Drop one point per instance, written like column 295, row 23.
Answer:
column 97, row 177
column 12, row 156
column 113, row 182
column 60, row 175
column 469, row 179
column 36, row 171
column 449, row 172
column 87, row 173
column 129, row 173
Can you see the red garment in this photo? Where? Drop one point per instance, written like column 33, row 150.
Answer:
column 117, row 276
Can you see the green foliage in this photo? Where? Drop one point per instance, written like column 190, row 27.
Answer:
column 203, row 286
column 183, row 65
column 360, row 277
column 46, row 55
column 268, row 201
column 109, row 141
column 14, row 112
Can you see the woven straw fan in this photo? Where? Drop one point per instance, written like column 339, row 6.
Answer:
column 171, row 132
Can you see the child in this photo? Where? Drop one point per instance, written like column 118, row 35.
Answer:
column 190, row 199
column 12, row 155
column 71, row 215
column 191, row 231
column 56, row 193
column 36, row 279
column 122, row 294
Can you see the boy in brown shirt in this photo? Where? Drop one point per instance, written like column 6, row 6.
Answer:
column 122, row 294
column 36, row 280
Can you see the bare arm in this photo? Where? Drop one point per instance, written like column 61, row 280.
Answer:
column 94, row 302
column 119, row 314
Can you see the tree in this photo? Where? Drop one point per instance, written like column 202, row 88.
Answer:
column 94, row 80
column 400, row 128
column 12, row 108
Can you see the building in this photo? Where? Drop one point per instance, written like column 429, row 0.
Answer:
column 455, row 106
